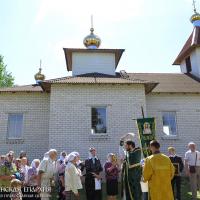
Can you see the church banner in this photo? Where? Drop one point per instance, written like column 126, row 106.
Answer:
column 147, row 129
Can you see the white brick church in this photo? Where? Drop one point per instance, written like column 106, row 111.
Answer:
column 96, row 105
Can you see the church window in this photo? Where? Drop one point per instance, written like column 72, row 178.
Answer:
column 188, row 64
column 169, row 123
column 15, row 126
column 98, row 120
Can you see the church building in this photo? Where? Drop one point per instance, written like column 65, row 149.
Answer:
column 97, row 104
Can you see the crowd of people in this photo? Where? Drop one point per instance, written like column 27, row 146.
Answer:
column 65, row 177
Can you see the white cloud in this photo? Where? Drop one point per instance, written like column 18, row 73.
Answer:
column 112, row 10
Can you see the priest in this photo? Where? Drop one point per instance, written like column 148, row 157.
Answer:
column 158, row 171
column 131, row 172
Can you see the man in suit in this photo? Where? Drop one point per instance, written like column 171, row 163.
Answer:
column 93, row 176
column 178, row 165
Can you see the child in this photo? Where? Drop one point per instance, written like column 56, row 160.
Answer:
column 16, row 193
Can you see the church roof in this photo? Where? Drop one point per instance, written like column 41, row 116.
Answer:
column 192, row 42
column 167, row 82
column 97, row 78
column 170, row 83
column 24, row 88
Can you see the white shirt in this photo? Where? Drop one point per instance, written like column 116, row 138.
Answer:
column 190, row 158
column 48, row 167
column 72, row 178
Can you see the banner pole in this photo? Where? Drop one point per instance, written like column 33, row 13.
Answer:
column 142, row 109
column 142, row 154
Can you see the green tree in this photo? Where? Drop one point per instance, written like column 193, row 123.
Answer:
column 6, row 78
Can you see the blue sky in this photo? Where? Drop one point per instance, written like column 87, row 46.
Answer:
column 152, row 32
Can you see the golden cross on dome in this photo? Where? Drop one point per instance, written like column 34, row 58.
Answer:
column 40, row 64
column 92, row 21
column 194, row 5
column 92, row 28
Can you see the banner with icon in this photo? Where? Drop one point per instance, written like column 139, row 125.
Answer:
column 147, row 129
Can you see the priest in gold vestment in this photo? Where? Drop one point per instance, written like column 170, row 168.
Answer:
column 158, row 171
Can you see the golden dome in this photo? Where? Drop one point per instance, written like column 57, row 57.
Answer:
column 195, row 17
column 39, row 76
column 92, row 41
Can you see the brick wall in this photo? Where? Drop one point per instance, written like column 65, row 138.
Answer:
column 35, row 107
column 62, row 119
column 70, row 119
column 187, row 108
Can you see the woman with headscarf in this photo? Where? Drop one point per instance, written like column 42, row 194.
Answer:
column 79, row 164
column 112, row 173
column 72, row 179
column 61, row 164
column 32, row 182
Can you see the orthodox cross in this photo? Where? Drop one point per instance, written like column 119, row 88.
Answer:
column 194, row 5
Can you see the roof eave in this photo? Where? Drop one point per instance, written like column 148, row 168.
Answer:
column 149, row 87
column 184, row 55
column 192, row 42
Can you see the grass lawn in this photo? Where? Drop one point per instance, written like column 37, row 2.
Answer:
column 185, row 188
column 186, row 194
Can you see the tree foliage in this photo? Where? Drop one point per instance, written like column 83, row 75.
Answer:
column 6, row 78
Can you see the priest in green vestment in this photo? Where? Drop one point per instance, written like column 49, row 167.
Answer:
column 131, row 172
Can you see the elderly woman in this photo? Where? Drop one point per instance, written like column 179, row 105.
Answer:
column 72, row 178
column 60, row 174
column 46, row 174
column 32, row 182
column 112, row 173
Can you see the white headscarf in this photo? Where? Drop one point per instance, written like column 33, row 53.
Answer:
column 71, row 157
column 75, row 153
column 52, row 151
column 108, row 157
column 33, row 163
column 46, row 156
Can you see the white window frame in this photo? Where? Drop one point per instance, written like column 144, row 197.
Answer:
column 99, row 106
column 22, row 127
column 170, row 132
